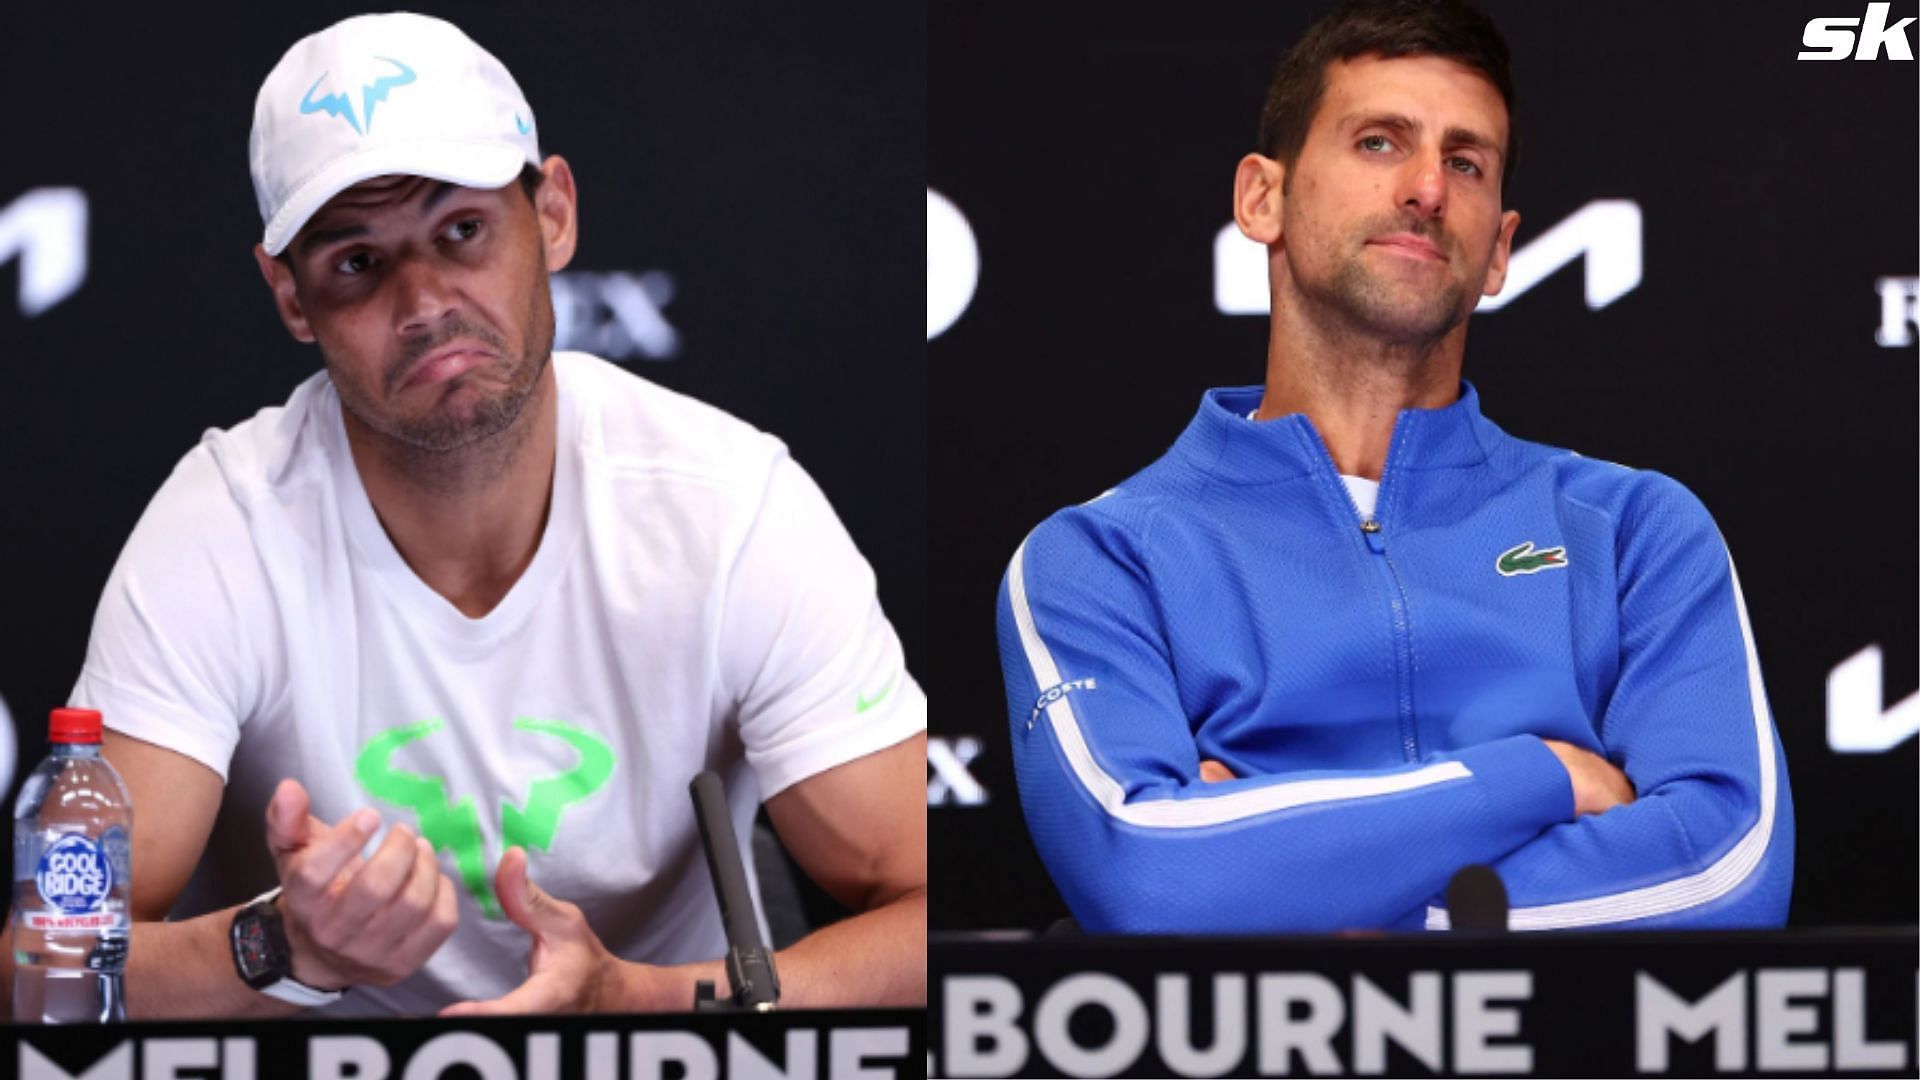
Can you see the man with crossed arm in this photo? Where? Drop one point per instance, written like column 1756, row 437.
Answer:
column 1348, row 636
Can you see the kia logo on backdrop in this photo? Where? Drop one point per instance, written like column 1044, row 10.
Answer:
column 1858, row 719
column 1606, row 232
column 46, row 229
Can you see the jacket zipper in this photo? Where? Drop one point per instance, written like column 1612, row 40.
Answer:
column 1375, row 535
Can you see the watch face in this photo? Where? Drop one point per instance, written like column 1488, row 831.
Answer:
column 253, row 947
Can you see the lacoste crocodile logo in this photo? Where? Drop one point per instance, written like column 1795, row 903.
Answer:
column 455, row 826
column 1525, row 560
column 372, row 94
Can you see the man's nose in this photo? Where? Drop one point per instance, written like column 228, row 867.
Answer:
column 1423, row 186
column 422, row 294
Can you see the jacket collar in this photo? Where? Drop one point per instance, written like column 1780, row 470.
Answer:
column 1222, row 442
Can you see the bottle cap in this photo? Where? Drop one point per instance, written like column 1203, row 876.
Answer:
column 74, row 726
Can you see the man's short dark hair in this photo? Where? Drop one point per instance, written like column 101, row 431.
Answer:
column 529, row 179
column 1388, row 29
column 531, row 176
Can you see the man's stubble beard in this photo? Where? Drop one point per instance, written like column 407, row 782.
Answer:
column 1357, row 301
column 431, row 439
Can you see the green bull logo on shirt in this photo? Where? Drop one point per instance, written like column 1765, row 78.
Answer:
column 455, row 826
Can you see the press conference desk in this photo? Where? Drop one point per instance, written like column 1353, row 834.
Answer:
column 1680, row 1004
column 868, row 1044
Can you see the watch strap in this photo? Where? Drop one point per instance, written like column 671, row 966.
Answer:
column 294, row 992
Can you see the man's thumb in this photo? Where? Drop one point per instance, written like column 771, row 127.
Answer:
column 531, row 909
column 288, row 819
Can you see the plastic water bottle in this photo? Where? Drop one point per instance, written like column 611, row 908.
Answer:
column 70, row 887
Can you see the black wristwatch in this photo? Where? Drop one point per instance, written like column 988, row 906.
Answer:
column 261, row 955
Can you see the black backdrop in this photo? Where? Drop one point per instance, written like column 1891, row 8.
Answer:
column 750, row 177
column 1093, row 155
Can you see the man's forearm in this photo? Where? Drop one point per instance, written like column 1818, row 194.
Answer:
column 877, row 957
column 176, row 970
column 185, row 969
column 1640, row 865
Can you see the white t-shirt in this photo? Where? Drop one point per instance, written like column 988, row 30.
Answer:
column 1365, row 493
column 694, row 603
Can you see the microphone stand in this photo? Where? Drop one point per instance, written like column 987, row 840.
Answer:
column 750, row 974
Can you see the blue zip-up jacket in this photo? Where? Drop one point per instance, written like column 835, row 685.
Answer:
column 1380, row 689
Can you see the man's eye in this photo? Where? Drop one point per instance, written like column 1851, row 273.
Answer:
column 1375, row 144
column 356, row 263
column 1465, row 165
column 463, row 230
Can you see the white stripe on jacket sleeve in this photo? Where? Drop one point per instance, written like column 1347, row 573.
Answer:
column 1199, row 811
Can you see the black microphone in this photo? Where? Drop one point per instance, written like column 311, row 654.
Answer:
column 1477, row 900
column 749, row 965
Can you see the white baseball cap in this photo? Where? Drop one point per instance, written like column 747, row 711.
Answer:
column 379, row 95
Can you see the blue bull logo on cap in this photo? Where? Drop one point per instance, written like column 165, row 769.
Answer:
column 372, row 94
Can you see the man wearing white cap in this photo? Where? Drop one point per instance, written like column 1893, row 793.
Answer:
column 501, row 601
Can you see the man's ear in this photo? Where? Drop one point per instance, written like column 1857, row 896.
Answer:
column 1257, row 199
column 285, row 297
column 1502, row 248
column 556, row 204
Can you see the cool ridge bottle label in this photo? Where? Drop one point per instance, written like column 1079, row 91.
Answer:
column 73, row 876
